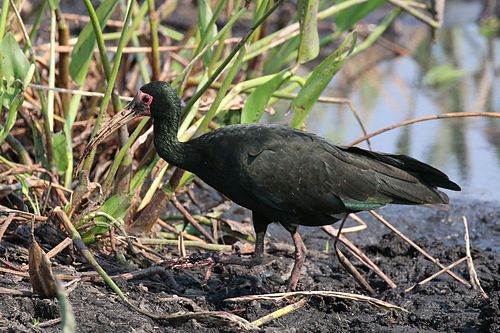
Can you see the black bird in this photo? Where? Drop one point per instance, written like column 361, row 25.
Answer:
column 284, row 175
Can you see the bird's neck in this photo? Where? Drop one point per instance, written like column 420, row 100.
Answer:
column 169, row 147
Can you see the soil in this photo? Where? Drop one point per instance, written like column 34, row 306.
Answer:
column 442, row 305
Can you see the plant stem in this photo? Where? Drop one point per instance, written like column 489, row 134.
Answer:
column 80, row 245
column 121, row 154
column 64, row 76
column 222, row 66
column 102, row 51
column 155, row 55
column 3, row 18
column 111, row 82
column 52, row 71
column 46, row 127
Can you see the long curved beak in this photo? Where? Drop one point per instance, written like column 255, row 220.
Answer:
column 112, row 125
column 129, row 112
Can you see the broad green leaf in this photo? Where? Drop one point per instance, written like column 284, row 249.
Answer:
column 279, row 57
column 309, row 38
column 443, row 74
column 258, row 99
column 60, row 154
column 13, row 66
column 346, row 18
column 11, row 118
column 84, row 48
column 117, row 207
column 15, row 75
column 319, row 79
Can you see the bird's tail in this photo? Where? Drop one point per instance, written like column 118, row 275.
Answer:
column 429, row 177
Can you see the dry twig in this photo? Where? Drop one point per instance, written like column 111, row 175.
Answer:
column 191, row 219
column 280, row 313
column 321, row 293
column 360, row 255
column 7, row 221
column 474, row 280
column 418, row 248
column 434, row 117
column 435, row 275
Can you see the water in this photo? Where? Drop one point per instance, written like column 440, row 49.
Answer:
column 467, row 149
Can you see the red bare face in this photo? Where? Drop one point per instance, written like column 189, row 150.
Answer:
column 145, row 99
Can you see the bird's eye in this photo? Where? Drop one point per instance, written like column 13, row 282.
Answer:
column 146, row 99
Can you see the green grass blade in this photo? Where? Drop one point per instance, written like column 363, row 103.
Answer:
column 350, row 16
column 377, row 32
column 319, row 79
column 81, row 57
column 77, row 241
column 16, row 72
column 222, row 91
column 102, row 51
column 228, row 59
column 111, row 82
column 206, row 26
column 141, row 174
column 116, row 206
column 84, row 48
column 36, row 24
column 13, row 66
column 121, row 154
column 291, row 31
column 259, row 98
column 3, row 17
column 155, row 55
column 68, row 322
column 309, row 38
column 60, row 151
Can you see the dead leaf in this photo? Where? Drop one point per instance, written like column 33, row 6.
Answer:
column 240, row 227
column 40, row 271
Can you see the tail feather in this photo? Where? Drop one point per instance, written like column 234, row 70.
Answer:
column 424, row 172
column 402, row 179
column 417, row 193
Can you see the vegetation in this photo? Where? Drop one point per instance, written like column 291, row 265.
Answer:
column 233, row 61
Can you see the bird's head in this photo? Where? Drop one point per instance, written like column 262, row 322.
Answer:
column 156, row 99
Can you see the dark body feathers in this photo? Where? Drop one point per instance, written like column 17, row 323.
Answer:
column 288, row 176
column 297, row 178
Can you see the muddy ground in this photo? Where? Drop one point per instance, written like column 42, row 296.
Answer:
column 442, row 305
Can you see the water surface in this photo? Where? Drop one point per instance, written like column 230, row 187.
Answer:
column 402, row 88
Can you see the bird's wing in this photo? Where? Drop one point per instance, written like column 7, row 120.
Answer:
column 297, row 171
column 280, row 172
column 375, row 178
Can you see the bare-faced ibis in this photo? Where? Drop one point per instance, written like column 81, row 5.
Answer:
column 285, row 175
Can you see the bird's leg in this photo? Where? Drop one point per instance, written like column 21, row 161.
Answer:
column 257, row 257
column 300, row 257
column 348, row 265
column 258, row 254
